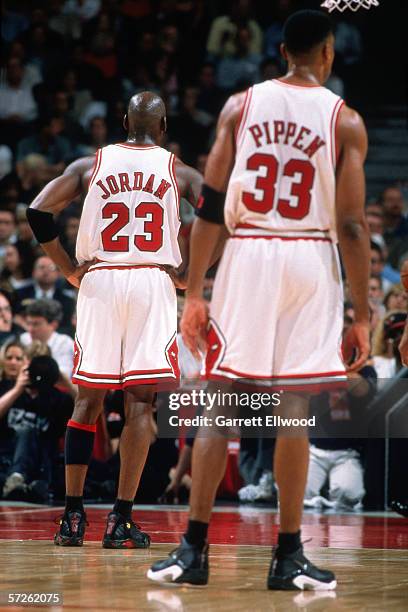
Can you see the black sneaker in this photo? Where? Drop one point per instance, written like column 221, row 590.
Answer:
column 123, row 533
column 72, row 529
column 294, row 572
column 401, row 507
column 186, row 564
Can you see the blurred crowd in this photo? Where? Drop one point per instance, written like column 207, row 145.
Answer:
column 68, row 69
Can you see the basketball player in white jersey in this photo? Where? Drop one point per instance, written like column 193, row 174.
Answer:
column 289, row 155
column 127, row 313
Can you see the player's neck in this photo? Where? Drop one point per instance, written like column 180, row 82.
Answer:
column 307, row 74
column 141, row 139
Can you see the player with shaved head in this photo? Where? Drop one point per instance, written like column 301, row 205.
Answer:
column 127, row 251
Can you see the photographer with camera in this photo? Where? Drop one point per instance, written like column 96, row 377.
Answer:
column 33, row 415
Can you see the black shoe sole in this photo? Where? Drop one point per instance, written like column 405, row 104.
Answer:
column 195, row 577
column 276, row 583
column 127, row 544
column 65, row 541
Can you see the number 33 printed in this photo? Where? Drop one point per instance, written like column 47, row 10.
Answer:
column 267, row 184
column 111, row 241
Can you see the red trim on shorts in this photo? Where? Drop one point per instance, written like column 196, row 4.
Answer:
column 270, row 236
column 333, row 127
column 89, row 375
column 315, row 238
column 251, row 226
column 83, row 426
column 312, row 389
column 150, row 372
column 151, row 381
column 96, row 166
column 287, row 376
column 91, row 385
column 124, row 267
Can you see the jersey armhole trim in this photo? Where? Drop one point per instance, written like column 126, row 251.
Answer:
column 333, row 132
column 97, row 165
column 243, row 116
column 173, row 176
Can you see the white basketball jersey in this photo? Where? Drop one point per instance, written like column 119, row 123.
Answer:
column 131, row 211
column 284, row 174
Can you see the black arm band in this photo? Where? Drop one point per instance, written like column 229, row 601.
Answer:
column 43, row 225
column 211, row 205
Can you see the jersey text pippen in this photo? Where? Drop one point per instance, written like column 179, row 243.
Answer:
column 287, row 133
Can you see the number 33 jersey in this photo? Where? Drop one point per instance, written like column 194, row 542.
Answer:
column 284, row 174
column 131, row 211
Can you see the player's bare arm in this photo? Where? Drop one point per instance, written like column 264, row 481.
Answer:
column 56, row 196
column 352, row 228
column 208, row 238
column 189, row 181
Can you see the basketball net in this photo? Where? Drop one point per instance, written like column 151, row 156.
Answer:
column 353, row 5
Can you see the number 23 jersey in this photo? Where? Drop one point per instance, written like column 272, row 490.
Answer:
column 284, row 178
column 131, row 211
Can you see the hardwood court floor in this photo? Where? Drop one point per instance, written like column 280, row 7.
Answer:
column 368, row 553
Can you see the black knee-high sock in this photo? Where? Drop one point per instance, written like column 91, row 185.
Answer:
column 79, row 441
column 123, row 507
column 196, row 533
column 288, row 543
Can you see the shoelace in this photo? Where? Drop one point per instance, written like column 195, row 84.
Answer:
column 57, row 520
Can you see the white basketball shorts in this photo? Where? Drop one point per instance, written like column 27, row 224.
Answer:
column 276, row 313
column 126, row 329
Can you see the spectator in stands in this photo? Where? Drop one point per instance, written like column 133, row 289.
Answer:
column 395, row 224
column 31, row 73
column 188, row 128
column 210, row 97
column 378, row 266
column 222, row 39
column 274, row 33
column 78, row 97
column 17, row 267
column 42, row 320
column 396, row 298
column 337, row 458
column 97, row 137
column 34, row 172
column 70, row 128
column 10, row 191
column 7, row 230
column 13, row 380
column 376, row 297
column 37, row 413
column 17, row 104
column 386, row 356
column 24, row 232
column 45, row 286
column 48, row 142
column 9, row 330
column 240, row 70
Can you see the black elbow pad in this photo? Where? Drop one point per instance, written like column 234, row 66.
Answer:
column 211, row 205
